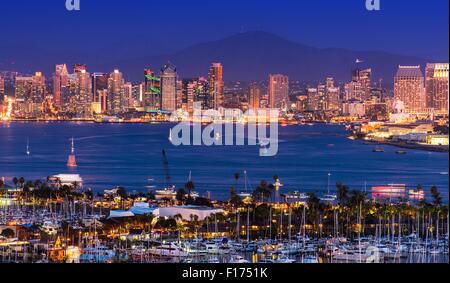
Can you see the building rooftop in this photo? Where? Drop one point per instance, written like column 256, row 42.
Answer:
column 409, row 71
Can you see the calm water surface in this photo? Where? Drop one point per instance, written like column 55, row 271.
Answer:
column 129, row 154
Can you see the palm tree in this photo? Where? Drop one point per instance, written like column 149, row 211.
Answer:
column 436, row 195
column 15, row 181
column 342, row 193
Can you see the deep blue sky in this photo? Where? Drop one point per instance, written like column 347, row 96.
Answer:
column 413, row 27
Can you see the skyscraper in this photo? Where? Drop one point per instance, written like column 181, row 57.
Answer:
column 169, row 87
column 436, row 84
column 152, row 91
column 216, row 85
column 313, row 99
column 409, row 88
column 99, row 82
column 254, row 96
column 364, row 78
column 83, row 94
column 39, row 88
column 333, row 101
column 2, row 90
column 60, row 85
column 278, row 91
column 115, row 92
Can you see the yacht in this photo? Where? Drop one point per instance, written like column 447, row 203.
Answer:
column 238, row 259
column 167, row 193
column 168, row 250
column 50, row 227
column 98, row 254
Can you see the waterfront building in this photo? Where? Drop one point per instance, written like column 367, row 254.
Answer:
column 22, row 93
column 313, row 99
column 169, row 87
column 60, row 85
column 364, row 79
column 354, row 108
column 152, row 91
column 278, row 91
column 83, row 93
column 179, row 94
column 2, row 90
column 436, row 84
column 254, row 96
column 186, row 212
column 115, row 92
column 332, row 99
column 99, row 82
column 321, row 97
column 216, row 85
column 409, row 88
column 127, row 95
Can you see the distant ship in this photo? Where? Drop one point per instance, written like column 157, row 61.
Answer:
column 28, row 147
column 72, row 161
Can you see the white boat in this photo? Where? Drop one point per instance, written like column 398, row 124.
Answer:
column 238, row 259
column 50, row 227
column 212, row 248
column 28, row 147
column 168, row 250
column 98, row 254
column 167, row 193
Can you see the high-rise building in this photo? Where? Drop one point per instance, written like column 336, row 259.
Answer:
column 313, row 99
column 23, row 88
column 179, row 94
column 78, row 68
column 2, row 90
column 99, row 82
column 60, row 85
column 322, row 97
column 83, row 94
column 127, row 95
column 152, row 91
column 38, row 91
column 169, row 87
column 364, row 78
column 409, row 88
column 254, row 96
column 333, row 101
column 115, row 92
column 278, row 91
column 436, row 84
column 216, row 85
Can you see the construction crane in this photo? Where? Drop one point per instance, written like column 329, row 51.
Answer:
column 166, row 170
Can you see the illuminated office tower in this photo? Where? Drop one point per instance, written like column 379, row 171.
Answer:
column 115, row 92
column 99, row 82
column 179, row 94
column 78, row 68
column 216, row 85
column 436, row 84
column 38, row 91
column 168, row 87
column 137, row 93
column 2, row 90
column 364, row 78
column 127, row 96
column 83, row 94
column 322, row 97
column 152, row 91
column 278, row 91
column 23, row 88
column 332, row 99
column 103, row 100
column 330, row 82
column 409, row 88
column 254, row 96
column 60, row 85
column 313, row 99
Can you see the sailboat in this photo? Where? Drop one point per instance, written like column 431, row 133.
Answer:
column 72, row 161
column 246, row 193
column 328, row 196
column 28, row 147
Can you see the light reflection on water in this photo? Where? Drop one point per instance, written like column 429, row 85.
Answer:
column 130, row 154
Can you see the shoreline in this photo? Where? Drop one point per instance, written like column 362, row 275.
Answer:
column 431, row 148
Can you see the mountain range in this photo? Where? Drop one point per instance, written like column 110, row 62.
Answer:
column 248, row 56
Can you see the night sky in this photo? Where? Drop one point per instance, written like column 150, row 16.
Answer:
column 409, row 27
